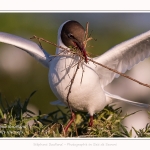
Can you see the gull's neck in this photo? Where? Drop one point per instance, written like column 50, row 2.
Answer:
column 63, row 52
column 59, row 41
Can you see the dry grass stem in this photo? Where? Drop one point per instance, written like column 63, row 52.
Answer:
column 121, row 74
column 77, row 52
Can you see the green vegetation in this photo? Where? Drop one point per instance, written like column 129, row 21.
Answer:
column 15, row 121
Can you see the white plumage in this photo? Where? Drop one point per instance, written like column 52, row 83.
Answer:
column 89, row 95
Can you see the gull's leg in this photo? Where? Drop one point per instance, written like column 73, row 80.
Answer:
column 91, row 121
column 70, row 122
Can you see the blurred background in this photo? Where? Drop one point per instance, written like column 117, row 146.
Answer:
column 20, row 74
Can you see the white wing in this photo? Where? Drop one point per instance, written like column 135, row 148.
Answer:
column 30, row 47
column 116, row 97
column 123, row 57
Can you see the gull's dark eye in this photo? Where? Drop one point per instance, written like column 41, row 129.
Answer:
column 70, row 36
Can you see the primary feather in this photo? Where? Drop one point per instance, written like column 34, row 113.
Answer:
column 123, row 57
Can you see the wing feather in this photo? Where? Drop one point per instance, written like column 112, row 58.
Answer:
column 30, row 47
column 123, row 57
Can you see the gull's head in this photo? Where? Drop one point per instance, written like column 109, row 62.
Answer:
column 72, row 34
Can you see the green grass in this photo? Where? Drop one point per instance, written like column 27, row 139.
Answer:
column 15, row 118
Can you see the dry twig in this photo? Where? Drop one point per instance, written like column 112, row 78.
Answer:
column 78, row 53
column 121, row 74
column 89, row 59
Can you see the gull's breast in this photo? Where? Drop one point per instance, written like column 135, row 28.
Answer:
column 85, row 89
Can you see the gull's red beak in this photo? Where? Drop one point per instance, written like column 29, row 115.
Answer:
column 82, row 49
column 84, row 54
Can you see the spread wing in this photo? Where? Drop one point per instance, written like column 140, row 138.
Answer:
column 123, row 57
column 30, row 47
